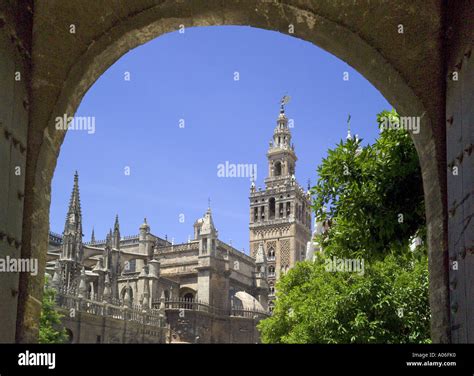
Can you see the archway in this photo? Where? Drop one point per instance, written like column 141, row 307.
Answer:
column 350, row 32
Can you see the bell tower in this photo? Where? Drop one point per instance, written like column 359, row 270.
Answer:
column 280, row 214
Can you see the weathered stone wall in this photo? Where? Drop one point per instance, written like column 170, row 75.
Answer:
column 201, row 327
column 460, row 158
column 88, row 328
column 14, row 101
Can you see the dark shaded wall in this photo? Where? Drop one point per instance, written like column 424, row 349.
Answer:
column 460, row 160
column 15, row 70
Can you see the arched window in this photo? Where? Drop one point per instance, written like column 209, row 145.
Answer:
column 130, row 293
column 271, row 271
column 271, row 290
column 188, row 299
column 278, row 168
column 271, row 254
column 271, row 204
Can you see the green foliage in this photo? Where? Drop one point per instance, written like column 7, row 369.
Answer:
column 374, row 194
column 388, row 304
column 374, row 200
column 51, row 329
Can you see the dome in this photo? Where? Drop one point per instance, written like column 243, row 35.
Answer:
column 244, row 300
column 144, row 226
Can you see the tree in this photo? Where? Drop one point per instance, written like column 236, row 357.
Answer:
column 372, row 196
column 388, row 304
column 51, row 329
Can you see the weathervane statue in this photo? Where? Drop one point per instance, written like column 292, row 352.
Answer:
column 283, row 102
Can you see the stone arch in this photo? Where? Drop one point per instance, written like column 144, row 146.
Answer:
column 187, row 293
column 124, row 290
column 60, row 81
column 271, row 254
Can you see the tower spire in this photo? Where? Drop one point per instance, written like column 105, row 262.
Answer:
column 282, row 134
column 116, row 225
column 116, row 235
column 74, row 214
column 92, row 236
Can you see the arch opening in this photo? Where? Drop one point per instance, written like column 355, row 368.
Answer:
column 141, row 27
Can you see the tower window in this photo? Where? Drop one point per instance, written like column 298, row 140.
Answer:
column 288, row 209
column 271, row 254
column 271, row 290
column 271, row 271
column 278, row 168
column 272, row 205
column 255, row 214
column 280, row 210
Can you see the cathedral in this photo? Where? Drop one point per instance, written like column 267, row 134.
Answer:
column 144, row 289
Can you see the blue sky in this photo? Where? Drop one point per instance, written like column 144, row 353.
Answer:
column 173, row 170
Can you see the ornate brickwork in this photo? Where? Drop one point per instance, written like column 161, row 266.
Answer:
column 271, row 244
column 285, row 256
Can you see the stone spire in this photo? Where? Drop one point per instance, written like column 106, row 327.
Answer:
column 93, row 236
column 281, row 154
column 127, row 300
column 107, row 290
column 208, row 227
column 145, row 227
column 282, row 134
column 116, row 224
column 72, row 234
column 260, row 257
column 116, row 234
column 82, row 284
column 108, row 239
column 74, row 215
column 56, row 282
